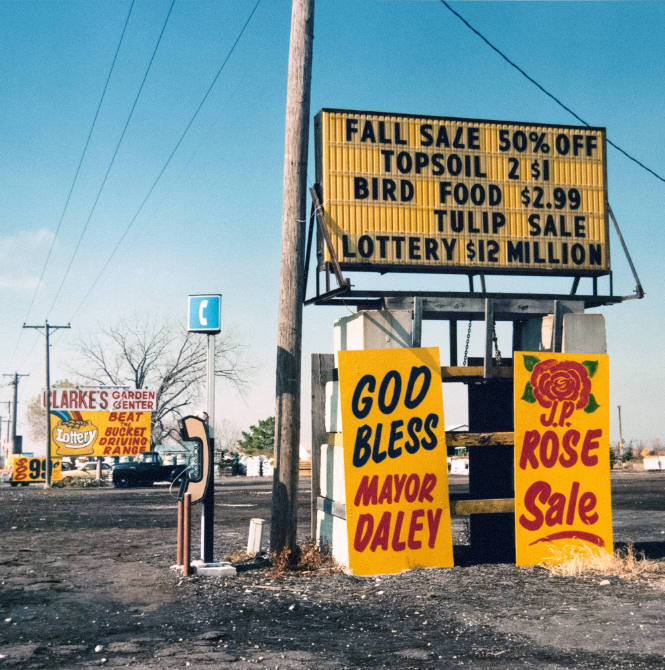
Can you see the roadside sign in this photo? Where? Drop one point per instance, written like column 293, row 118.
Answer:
column 405, row 193
column 397, row 508
column 562, row 456
column 204, row 313
column 32, row 469
column 80, row 433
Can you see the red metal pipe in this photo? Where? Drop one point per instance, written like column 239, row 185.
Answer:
column 187, row 534
column 179, row 552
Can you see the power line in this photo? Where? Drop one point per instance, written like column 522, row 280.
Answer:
column 113, row 157
column 543, row 89
column 76, row 175
column 168, row 160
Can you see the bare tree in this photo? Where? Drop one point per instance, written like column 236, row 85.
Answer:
column 169, row 361
column 36, row 412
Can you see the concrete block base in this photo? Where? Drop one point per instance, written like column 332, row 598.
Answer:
column 214, row 569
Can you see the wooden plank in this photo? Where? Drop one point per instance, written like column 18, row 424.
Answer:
column 334, row 439
column 461, row 439
column 333, row 507
column 453, row 439
column 460, row 373
column 322, row 365
column 457, row 507
column 491, row 506
column 455, row 373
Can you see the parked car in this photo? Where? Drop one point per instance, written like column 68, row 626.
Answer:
column 77, row 473
column 92, row 469
column 147, row 469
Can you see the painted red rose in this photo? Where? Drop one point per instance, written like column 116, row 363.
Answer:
column 556, row 381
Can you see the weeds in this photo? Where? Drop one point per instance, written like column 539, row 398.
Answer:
column 239, row 557
column 307, row 559
column 624, row 563
column 78, row 483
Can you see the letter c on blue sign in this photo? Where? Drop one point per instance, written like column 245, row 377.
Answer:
column 202, row 307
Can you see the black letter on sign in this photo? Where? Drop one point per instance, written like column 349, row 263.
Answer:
column 360, row 412
column 431, row 421
column 360, row 188
column 362, row 450
column 388, row 407
column 409, row 401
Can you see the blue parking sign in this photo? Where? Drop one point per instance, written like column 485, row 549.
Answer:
column 204, row 313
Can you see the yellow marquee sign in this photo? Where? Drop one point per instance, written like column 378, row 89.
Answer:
column 434, row 194
column 562, row 466
column 397, row 508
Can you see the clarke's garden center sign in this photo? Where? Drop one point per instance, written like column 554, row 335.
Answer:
column 435, row 194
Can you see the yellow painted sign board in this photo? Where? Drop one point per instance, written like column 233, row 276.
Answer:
column 397, row 506
column 32, row 469
column 562, row 456
column 438, row 194
column 77, row 433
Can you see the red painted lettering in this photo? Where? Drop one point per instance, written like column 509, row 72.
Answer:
column 364, row 530
column 382, row 533
column 397, row 544
column 590, row 443
column 528, row 454
column 415, row 526
column 429, row 482
column 366, row 493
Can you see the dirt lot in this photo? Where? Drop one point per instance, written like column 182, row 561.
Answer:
column 86, row 582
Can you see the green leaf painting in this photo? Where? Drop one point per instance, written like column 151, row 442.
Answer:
column 591, row 366
column 530, row 364
column 528, row 393
column 592, row 405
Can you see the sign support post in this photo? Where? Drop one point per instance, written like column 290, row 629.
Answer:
column 208, row 504
column 204, row 315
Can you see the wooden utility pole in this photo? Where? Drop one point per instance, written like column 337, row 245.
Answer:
column 47, row 329
column 291, row 287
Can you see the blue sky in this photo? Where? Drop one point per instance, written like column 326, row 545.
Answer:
column 213, row 221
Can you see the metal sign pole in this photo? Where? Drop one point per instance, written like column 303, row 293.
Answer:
column 208, row 505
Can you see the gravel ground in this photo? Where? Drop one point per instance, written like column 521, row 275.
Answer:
column 86, row 583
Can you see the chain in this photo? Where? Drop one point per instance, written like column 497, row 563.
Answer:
column 497, row 354
column 466, row 346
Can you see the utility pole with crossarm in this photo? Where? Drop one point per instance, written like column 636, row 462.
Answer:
column 47, row 330
column 15, row 446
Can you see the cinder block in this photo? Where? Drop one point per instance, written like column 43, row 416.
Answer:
column 584, row 334
column 374, row 329
column 331, row 480
column 331, row 532
column 368, row 329
column 333, row 408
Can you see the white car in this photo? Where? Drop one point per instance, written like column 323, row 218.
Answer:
column 91, row 469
